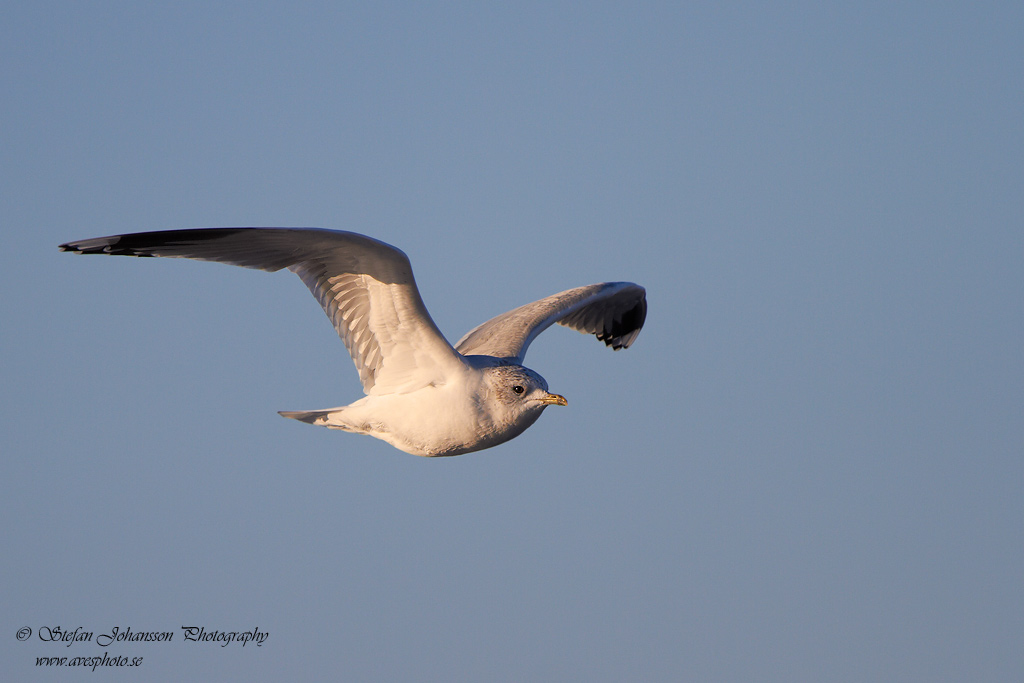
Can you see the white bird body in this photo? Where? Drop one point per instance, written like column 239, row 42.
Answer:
column 422, row 395
column 432, row 420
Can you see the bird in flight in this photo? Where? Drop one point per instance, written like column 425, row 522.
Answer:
column 423, row 395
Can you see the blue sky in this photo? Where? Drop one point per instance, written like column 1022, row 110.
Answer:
column 808, row 467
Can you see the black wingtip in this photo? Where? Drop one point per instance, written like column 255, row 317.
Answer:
column 96, row 245
column 145, row 243
column 624, row 329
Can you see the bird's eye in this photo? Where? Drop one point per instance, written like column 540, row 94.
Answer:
column 518, row 389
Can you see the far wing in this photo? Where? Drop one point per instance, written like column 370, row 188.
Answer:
column 614, row 312
column 365, row 286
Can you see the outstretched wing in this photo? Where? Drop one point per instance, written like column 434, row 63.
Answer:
column 614, row 312
column 365, row 286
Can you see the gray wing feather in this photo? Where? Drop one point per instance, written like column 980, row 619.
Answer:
column 614, row 312
column 365, row 286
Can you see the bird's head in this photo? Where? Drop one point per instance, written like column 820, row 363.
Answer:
column 520, row 393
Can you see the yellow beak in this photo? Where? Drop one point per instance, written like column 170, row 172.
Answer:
column 554, row 400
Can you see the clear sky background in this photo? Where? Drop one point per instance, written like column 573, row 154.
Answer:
column 809, row 466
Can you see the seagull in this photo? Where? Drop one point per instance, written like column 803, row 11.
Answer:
column 423, row 395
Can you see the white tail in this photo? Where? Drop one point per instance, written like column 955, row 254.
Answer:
column 313, row 417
